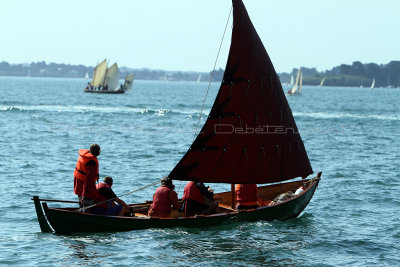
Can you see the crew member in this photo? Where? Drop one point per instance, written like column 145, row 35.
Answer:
column 246, row 196
column 109, row 207
column 198, row 199
column 165, row 200
column 86, row 174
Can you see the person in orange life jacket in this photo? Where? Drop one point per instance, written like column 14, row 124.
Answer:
column 198, row 199
column 86, row 174
column 109, row 207
column 246, row 196
column 163, row 199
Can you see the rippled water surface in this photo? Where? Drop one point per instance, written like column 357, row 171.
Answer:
column 351, row 135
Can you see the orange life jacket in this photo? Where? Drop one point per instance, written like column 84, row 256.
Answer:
column 80, row 168
column 246, row 194
column 192, row 192
column 161, row 203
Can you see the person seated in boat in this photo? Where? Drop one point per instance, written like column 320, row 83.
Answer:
column 246, row 196
column 109, row 207
column 86, row 174
column 198, row 199
column 105, row 88
column 165, row 200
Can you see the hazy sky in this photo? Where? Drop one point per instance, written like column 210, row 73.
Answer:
column 185, row 34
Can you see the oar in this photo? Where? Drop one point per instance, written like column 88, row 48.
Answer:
column 56, row 200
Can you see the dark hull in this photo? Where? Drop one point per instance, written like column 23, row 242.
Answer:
column 69, row 222
column 283, row 211
column 66, row 220
column 104, row 91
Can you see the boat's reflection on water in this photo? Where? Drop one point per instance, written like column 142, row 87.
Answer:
column 85, row 249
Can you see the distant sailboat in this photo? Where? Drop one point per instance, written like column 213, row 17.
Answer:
column 87, row 76
column 296, row 89
column 198, row 79
column 373, row 83
column 291, row 80
column 165, row 77
column 128, row 82
column 322, row 82
column 105, row 80
column 300, row 82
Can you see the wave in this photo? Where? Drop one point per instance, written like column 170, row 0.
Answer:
column 322, row 115
column 100, row 109
column 189, row 112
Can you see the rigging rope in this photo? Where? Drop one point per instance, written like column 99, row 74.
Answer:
column 209, row 82
column 112, row 199
column 212, row 74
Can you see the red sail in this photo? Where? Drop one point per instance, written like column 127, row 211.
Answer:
column 250, row 135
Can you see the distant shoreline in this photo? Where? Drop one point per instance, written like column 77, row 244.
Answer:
column 355, row 75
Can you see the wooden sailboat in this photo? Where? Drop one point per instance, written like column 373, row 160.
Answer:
column 296, row 89
column 105, row 80
column 249, row 137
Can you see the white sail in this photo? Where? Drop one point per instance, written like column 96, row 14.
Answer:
column 296, row 85
column 87, row 75
column 300, row 82
column 322, row 82
column 112, row 78
column 128, row 82
column 99, row 74
column 291, row 80
column 198, row 79
column 373, row 83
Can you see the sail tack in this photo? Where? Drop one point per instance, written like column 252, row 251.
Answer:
column 250, row 135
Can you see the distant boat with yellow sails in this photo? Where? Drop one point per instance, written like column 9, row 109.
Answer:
column 106, row 80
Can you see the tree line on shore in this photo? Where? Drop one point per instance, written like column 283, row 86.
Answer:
column 355, row 75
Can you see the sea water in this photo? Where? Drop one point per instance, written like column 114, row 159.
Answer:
column 350, row 134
